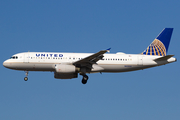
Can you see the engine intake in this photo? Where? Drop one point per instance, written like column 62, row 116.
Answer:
column 63, row 71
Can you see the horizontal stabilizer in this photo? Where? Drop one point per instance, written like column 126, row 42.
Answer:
column 163, row 58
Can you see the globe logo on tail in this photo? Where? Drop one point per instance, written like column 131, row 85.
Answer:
column 155, row 48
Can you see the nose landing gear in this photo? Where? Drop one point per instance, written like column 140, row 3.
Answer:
column 26, row 78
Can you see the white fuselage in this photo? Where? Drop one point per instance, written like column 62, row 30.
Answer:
column 69, row 65
column 46, row 61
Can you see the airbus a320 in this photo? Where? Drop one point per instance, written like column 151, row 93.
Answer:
column 70, row 65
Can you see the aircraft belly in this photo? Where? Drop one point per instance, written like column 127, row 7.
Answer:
column 121, row 68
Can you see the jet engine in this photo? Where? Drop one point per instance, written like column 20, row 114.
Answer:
column 60, row 68
column 63, row 71
column 65, row 75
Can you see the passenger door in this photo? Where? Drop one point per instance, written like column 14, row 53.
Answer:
column 140, row 60
column 26, row 57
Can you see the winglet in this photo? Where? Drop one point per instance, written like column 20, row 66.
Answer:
column 108, row 50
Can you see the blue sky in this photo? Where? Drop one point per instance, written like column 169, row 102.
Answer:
column 88, row 26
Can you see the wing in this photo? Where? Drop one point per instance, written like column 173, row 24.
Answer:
column 92, row 59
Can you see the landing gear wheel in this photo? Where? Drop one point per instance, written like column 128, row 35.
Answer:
column 84, row 81
column 26, row 73
column 25, row 78
column 85, row 78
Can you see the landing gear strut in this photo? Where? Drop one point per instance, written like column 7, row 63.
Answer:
column 85, row 78
column 26, row 78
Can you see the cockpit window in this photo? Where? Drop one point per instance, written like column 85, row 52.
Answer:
column 14, row 57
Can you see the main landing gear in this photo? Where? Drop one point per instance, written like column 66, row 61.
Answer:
column 26, row 78
column 85, row 78
column 83, row 72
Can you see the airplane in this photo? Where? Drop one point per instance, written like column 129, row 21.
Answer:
column 69, row 65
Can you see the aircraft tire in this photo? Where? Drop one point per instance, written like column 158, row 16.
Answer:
column 25, row 78
column 84, row 81
column 85, row 78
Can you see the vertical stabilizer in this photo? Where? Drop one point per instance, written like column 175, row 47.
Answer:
column 161, row 43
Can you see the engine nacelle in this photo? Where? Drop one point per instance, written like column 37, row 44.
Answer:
column 60, row 68
column 65, row 75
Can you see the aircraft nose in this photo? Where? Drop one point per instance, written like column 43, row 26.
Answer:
column 6, row 64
